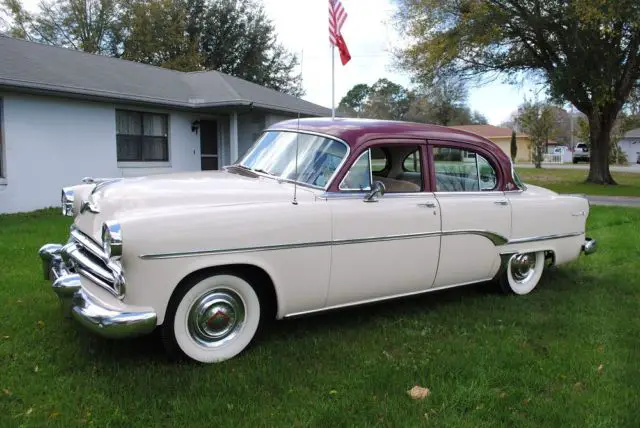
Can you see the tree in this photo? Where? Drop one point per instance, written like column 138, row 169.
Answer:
column 537, row 120
column 382, row 100
column 158, row 35
column 447, row 98
column 355, row 101
column 388, row 100
column 440, row 103
column 585, row 51
column 232, row 36
column 514, row 146
column 239, row 39
column 86, row 25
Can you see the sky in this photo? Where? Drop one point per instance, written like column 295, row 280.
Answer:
column 302, row 27
column 371, row 37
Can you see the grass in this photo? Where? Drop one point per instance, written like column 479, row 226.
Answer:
column 566, row 355
column 572, row 181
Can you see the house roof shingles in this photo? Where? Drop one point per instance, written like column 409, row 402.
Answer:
column 35, row 66
column 634, row 133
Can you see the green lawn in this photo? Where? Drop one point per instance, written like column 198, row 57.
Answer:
column 572, row 181
column 566, row 355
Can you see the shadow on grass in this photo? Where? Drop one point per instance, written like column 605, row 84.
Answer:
column 149, row 349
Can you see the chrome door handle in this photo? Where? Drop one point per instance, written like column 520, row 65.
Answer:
column 501, row 202
column 427, row 205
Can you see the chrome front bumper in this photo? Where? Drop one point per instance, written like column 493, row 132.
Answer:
column 109, row 319
column 589, row 246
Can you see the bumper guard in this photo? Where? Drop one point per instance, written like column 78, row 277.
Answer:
column 589, row 246
column 113, row 321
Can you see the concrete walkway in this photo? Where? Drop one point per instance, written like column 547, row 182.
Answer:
column 621, row 201
column 634, row 169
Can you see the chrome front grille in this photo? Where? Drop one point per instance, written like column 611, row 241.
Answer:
column 84, row 256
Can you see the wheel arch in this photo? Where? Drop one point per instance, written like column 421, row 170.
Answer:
column 255, row 275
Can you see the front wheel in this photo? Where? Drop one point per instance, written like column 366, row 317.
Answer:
column 212, row 319
column 523, row 273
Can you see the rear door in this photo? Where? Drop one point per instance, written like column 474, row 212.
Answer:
column 476, row 217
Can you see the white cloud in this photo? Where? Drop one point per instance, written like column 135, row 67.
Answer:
column 302, row 26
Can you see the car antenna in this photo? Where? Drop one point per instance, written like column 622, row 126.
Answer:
column 295, row 182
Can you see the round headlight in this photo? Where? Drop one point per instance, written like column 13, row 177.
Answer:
column 112, row 239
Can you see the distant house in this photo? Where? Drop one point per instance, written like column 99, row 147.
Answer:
column 502, row 137
column 66, row 114
column 630, row 145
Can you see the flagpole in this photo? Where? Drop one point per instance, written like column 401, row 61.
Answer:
column 333, row 82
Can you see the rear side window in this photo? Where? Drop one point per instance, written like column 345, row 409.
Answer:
column 460, row 170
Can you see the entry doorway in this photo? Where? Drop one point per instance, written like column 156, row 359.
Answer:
column 209, row 145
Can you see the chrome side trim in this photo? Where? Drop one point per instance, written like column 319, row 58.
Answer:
column 361, row 194
column 487, row 193
column 495, row 238
column 381, row 299
column 544, row 238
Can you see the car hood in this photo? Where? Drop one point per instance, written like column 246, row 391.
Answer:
column 115, row 198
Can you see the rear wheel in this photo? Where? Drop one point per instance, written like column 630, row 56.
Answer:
column 212, row 319
column 523, row 273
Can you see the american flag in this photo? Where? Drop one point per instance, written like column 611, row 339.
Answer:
column 337, row 16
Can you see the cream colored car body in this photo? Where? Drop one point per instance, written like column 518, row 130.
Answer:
column 207, row 255
column 326, row 251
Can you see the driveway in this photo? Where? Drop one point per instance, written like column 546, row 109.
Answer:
column 621, row 201
column 635, row 169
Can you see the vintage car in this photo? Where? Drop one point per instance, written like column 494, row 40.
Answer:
column 318, row 214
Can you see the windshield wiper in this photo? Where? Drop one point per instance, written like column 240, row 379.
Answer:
column 262, row 171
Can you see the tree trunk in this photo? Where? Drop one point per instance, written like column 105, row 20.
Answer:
column 600, row 126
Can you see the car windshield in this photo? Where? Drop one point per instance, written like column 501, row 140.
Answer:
column 305, row 158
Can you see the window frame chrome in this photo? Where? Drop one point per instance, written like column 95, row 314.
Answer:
column 340, row 189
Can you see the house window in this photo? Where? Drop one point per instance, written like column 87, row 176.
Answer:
column 142, row 137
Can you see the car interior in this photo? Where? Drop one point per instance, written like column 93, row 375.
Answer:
column 399, row 168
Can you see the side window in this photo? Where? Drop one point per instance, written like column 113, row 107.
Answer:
column 359, row 175
column 412, row 162
column 460, row 170
column 379, row 160
column 488, row 179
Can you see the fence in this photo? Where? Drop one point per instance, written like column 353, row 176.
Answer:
column 552, row 158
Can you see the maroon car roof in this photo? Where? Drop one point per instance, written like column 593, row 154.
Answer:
column 356, row 131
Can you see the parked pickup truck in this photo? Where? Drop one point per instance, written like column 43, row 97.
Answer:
column 581, row 153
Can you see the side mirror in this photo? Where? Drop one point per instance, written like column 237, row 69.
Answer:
column 377, row 189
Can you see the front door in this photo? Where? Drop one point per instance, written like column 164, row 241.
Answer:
column 209, row 144
column 389, row 247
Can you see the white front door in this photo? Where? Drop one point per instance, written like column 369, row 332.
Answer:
column 389, row 247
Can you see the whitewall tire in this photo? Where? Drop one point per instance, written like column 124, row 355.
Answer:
column 522, row 273
column 212, row 319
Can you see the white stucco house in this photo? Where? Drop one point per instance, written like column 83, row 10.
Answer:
column 65, row 115
column 630, row 145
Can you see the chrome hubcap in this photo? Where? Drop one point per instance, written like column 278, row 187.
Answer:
column 522, row 267
column 216, row 318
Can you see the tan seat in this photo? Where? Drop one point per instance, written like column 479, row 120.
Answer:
column 397, row 186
